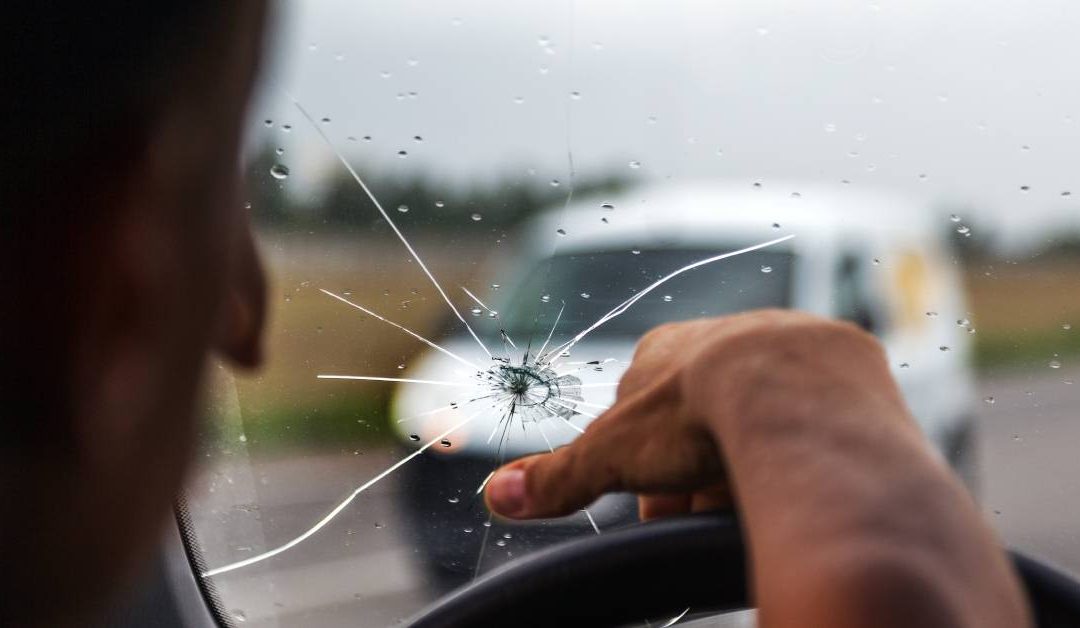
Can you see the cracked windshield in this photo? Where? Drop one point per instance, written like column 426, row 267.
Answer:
column 471, row 211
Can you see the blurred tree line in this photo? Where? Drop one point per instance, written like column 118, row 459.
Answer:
column 342, row 204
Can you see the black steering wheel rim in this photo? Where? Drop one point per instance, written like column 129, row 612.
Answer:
column 656, row 569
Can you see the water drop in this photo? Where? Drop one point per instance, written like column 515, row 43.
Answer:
column 762, row 31
column 766, row 269
column 414, row 437
column 944, row 348
column 554, row 183
column 279, row 151
column 830, row 128
column 385, row 74
column 418, row 138
column 403, row 209
column 476, row 311
column 1025, row 188
column 286, row 128
column 440, row 203
column 561, row 232
column 268, row 123
column 1066, row 193
column 501, row 542
column 990, row 401
column 776, row 225
column 1025, row 148
column 1066, row 326
column 325, row 120
column 635, row 164
column 402, row 154
column 954, row 217
column 239, row 616
column 905, row 365
column 545, row 298
column 963, row 229
column 607, row 206
column 278, row 171
column 635, row 251
column 444, row 442
column 651, row 119
column 476, row 217
column 1054, row 364
column 366, row 138
column 668, row 298
column 963, row 322
column 467, row 530
column 495, row 286
column 453, row 500
column 876, row 261
column 585, row 295
column 575, row 95
column 931, row 314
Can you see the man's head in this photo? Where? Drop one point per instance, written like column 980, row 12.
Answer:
column 125, row 260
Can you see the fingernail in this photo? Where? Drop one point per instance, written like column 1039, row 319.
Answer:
column 506, row 492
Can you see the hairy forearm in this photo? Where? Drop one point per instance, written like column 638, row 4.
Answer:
column 851, row 519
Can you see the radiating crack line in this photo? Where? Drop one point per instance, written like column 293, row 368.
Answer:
column 571, row 408
column 337, row 509
column 588, row 515
column 404, row 380
column 431, row 412
column 675, row 620
column 402, row 328
column 625, row 305
column 389, row 221
column 501, row 456
column 552, row 332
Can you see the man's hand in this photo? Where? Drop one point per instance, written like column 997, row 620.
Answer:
column 850, row 519
column 661, row 437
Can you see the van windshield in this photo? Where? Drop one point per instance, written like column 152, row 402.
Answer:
column 593, row 283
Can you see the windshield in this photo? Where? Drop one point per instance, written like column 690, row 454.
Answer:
column 465, row 202
column 591, row 284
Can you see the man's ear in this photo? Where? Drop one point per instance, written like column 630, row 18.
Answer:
column 239, row 335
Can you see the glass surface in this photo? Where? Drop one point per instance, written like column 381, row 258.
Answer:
column 595, row 283
column 443, row 188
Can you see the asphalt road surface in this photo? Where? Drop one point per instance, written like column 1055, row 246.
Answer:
column 363, row 569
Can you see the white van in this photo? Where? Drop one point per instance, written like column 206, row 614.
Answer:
column 874, row 259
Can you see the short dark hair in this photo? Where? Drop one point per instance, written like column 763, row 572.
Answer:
column 74, row 72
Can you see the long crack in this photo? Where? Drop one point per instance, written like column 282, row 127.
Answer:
column 529, row 391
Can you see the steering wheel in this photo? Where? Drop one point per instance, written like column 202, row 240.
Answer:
column 657, row 569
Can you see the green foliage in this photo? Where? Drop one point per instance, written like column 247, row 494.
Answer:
column 1024, row 349
column 341, row 204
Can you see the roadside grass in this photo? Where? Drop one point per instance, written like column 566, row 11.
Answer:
column 284, row 406
column 1026, row 314
column 1020, row 311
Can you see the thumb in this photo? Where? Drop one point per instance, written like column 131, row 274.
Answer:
column 559, row 483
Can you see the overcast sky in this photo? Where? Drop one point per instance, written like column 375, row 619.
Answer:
column 957, row 101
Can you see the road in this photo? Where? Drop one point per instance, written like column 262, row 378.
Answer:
column 362, row 568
